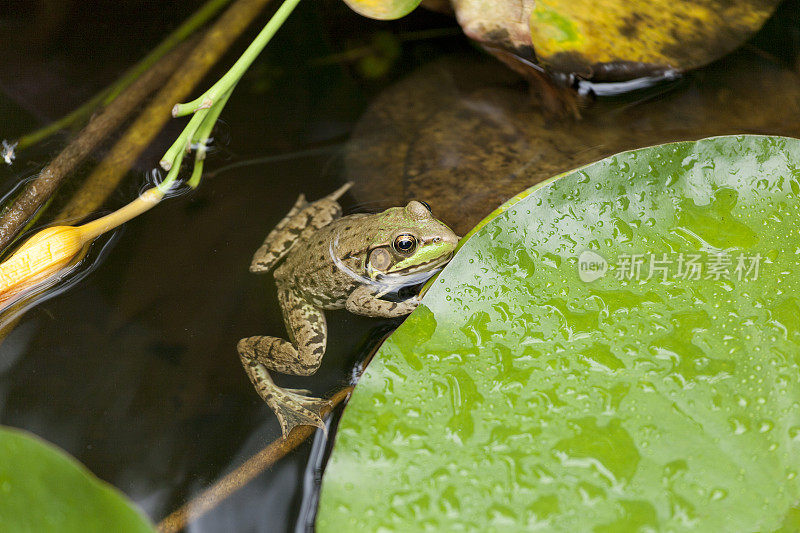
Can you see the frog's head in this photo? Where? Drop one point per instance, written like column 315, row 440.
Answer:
column 408, row 242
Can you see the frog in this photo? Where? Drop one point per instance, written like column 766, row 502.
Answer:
column 323, row 261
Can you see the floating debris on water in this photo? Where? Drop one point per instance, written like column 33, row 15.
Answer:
column 8, row 152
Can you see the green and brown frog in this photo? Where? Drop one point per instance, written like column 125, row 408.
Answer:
column 334, row 262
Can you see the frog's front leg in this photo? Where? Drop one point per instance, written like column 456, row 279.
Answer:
column 302, row 219
column 366, row 301
column 308, row 331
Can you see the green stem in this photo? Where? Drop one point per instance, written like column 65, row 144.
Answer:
column 229, row 80
column 196, row 133
column 197, row 172
column 200, row 139
column 204, row 131
column 209, row 105
column 104, row 97
column 174, row 154
column 170, row 179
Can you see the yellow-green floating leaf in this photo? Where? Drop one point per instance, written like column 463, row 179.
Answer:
column 383, row 9
column 614, row 39
column 591, row 36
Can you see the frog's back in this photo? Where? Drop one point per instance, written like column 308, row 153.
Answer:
column 314, row 264
column 301, row 220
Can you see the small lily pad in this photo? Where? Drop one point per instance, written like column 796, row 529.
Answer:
column 383, row 9
column 43, row 489
column 659, row 395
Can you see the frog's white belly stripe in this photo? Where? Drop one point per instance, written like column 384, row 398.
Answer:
column 388, row 282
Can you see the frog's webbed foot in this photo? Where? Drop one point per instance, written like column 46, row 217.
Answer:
column 295, row 409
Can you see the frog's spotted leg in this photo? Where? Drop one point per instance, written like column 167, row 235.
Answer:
column 302, row 218
column 366, row 301
column 292, row 407
column 308, row 329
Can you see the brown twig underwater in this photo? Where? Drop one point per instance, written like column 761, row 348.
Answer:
column 81, row 115
column 269, row 455
column 39, row 190
column 215, row 42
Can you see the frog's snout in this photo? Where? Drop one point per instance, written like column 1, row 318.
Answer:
column 447, row 241
column 448, row 237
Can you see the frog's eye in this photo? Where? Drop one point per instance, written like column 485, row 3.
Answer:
column 428, row 207
column 405, row 244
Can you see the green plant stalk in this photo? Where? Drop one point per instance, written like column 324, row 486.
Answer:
column 191, row 134
column 208, row 106
column 197, row 172
column 174, row 153
column 107, row 95
column 169, row 179
column 198, row 131
column 204, row 131
column 121, row 156
column 201, row 139
column 229, row 80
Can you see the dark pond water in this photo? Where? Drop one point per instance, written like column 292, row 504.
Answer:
column 134, row 370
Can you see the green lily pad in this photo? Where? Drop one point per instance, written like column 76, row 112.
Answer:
column 383, row 9
column 534, row 390
column 43, row 489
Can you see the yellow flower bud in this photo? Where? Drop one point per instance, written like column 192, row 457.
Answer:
column 41, row 256
column 52, row 249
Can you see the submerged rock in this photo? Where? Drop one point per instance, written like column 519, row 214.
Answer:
column 464, row 135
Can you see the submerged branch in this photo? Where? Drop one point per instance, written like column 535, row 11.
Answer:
column 34, row 195
column 107, row 95
column 110, row 172
column 211, row 497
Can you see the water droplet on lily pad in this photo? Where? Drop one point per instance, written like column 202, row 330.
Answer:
column 611, row 404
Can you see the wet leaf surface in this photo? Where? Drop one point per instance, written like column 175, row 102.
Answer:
column 520, row 396
column 44, row 489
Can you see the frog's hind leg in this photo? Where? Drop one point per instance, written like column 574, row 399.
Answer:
column 302, row 357
column 302, row 218
column 292, row 407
